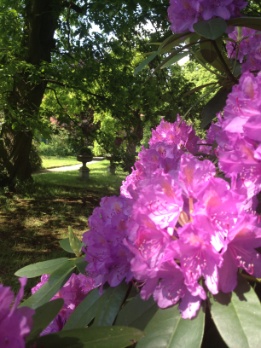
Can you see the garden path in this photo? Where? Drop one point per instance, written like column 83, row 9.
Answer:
column 72, row 167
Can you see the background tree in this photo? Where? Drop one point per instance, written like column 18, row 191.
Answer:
column 43, row 44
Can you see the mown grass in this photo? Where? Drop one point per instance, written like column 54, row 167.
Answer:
column 99, row 179
column 52, row 161
column 33, row 221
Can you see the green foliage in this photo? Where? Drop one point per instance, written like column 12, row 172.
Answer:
column 40, row 268
column 75, row 243
column 239, row 313
column 100, row 337
column 236, row 317
column 166, row 329
column 207, row 47
column 57, row 279
column 85, row 311
column 43, row 316
column 35, row 159
column 212, row 29
column 60, row 59
column 57, row 145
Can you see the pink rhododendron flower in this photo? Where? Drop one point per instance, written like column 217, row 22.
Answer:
column 240, row 251
column 15, row 323
column 175, row 224
column 73, row 292
column 241, row 44
column 178, row 133
column 238, row 136
column 167, row 143
column 246, row 48
column 183, row 14
column 108, row 259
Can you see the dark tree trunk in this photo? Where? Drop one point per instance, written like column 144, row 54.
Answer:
column 24, row 100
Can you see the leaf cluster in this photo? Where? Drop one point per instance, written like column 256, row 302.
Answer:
column 118, row 317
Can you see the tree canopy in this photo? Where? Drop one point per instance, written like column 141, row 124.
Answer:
column 60, row 57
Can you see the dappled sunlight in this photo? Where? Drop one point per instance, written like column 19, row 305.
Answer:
column 33, row 222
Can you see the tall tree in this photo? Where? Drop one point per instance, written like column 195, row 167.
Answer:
column 44, row 43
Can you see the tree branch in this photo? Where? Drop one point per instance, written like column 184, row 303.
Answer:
column 75, row 87
column 73, row 6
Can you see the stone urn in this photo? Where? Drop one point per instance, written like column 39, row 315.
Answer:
column 84, row 158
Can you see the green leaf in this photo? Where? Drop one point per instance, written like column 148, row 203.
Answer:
column 172, row 41
column 65, row 245
column 48, row 290
column 81, row 264
column 211, row 52
column 215, row 105
column 173, row 58
column 75, row 242
column 211, row 29
column 85, row 311
column 39, row 268
column 94, row 337
column 238, row 317
column 145, row 62
column 137, row 313
column 168, row 330
column 250, row 22
column 43, row 316
column 109, row 305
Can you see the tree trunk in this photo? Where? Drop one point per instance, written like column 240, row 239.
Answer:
column 15, row 150
column 25, row 98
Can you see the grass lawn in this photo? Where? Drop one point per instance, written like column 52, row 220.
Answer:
column 52, row 161
column 99, row 179
column 33, row 222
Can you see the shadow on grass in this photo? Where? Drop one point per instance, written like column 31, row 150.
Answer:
column 33, row 221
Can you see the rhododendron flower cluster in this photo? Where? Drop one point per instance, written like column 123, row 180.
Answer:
column 246, row 48
column 73, row 292
column 183, row 14
column 238, row 135
column 176, row 230
column 108, row 259
column 15, row 323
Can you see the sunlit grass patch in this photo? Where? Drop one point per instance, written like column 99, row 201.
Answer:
column 99, row 179
column 53, row 161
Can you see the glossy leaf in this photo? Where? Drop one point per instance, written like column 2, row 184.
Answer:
column 94, row 337
column 211, row 29
column 81, row 264
column 75, row 242
column 207, row 55
column 65, row 245
column 43, row 316
column 173, row 59
column 215, row 105
column 137, row 313
column 39, row 268
column 168, row 330
column 250, row 22
column 212, row 53
column 109, row 305
column 173, row 41
column 238, row 317
column 85, row 311
column 48, row 290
